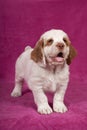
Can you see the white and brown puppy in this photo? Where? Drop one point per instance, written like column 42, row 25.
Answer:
column 46, row 68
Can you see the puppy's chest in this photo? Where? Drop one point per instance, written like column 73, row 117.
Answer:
column 51, row 81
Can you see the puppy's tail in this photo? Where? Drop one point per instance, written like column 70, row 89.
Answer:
column 27, row 48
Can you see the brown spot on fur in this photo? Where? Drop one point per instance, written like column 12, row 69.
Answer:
column 37, row 54
column 72, row 54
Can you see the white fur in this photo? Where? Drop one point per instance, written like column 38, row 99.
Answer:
column 41, row 78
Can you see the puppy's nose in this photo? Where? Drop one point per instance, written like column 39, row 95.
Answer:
column 60, row 46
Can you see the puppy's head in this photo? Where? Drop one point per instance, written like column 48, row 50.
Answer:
column 54, row 47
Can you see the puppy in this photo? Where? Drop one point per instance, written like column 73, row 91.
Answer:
column 46, row 68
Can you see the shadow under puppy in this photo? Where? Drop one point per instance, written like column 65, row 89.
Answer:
column 46, row 68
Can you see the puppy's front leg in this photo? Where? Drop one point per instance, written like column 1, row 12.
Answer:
column 58, row 104
column 41, row 102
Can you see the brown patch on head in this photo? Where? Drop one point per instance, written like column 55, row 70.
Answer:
column 72, row 54
column 67, row 41
column 49, row 42
column 37, row 54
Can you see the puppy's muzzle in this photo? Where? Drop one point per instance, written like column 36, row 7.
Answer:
column 60, row 46
column 60, row 54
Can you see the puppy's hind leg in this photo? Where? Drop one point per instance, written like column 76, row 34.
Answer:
column 17, row 91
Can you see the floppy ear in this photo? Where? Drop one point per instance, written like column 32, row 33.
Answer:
column 37, row 54
column 72, row 54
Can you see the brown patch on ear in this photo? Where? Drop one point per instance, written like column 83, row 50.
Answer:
column 72, row 54
column 37, row 54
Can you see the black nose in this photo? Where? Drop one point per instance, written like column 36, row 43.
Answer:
column 60, row 54
column 60, row 45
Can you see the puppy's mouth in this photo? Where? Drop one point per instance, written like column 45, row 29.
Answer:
column 59, row 58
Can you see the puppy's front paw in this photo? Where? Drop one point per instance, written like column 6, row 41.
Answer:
column 59, row 107
column 44, row 109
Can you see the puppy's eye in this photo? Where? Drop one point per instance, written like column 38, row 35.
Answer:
column 49, row 42
column 67, row 41
column 64, row 39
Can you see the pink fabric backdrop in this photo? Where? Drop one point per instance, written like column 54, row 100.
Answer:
column 21, row 23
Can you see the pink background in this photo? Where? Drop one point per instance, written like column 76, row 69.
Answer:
column 21, row 23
